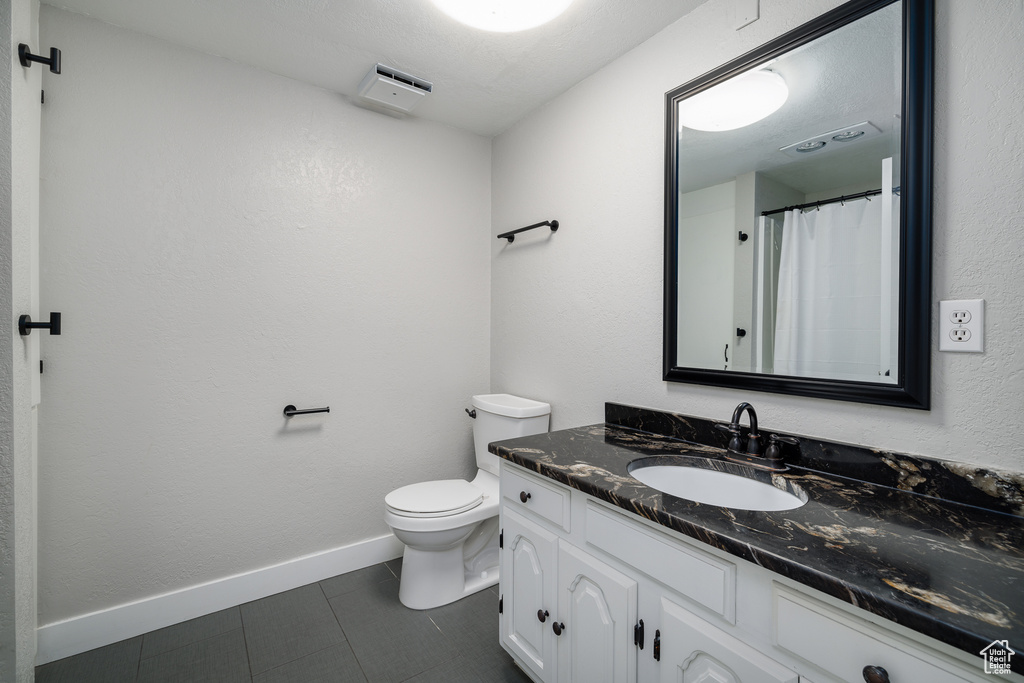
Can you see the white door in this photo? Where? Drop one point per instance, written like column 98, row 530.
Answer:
column 596, row 615
column 528, row 593
column 694, row 651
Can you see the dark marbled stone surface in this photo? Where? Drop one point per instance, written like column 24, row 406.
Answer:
column 949, row 570
column 983, row 487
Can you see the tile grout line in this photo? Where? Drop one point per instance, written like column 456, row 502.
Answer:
column 138, row 664
column 194, row 642
column 245, row 641
column 338, row 621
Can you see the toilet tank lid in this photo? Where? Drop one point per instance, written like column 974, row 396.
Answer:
column 510, row 406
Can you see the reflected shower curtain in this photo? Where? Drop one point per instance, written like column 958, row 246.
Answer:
column 829, row 301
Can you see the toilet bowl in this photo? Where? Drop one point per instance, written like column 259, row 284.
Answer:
column 450, row 526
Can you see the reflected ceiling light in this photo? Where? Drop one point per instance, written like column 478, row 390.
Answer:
column 812, row 146
column 503, row 16
column 738, row 102
column 848, row 135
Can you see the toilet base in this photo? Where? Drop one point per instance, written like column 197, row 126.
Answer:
column 434, row 578
column 449, row 558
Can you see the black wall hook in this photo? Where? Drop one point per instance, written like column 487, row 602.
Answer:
column 26, row 58
column 25, row 324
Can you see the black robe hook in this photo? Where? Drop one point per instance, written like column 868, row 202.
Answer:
column 26, row 58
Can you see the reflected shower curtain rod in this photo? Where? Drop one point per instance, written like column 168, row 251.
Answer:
column 833, row 200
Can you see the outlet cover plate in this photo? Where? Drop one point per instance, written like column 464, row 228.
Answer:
column 962, row 325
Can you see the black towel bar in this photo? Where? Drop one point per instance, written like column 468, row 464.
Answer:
column 511, row 234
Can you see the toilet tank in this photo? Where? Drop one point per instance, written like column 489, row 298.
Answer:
column 503, row 416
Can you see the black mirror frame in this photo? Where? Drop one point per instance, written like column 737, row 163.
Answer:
column 912, row 389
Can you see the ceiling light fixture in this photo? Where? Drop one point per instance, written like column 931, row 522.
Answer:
column 735, row 103
column 503, row 16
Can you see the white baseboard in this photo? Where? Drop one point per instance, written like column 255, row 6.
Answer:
column 80, row 634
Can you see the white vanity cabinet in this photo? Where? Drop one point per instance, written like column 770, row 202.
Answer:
column 579, row 577
column 528, row 593
column 565, row 615
column 596, row 616
column 694, row 650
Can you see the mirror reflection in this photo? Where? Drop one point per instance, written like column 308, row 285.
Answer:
column 788, row 211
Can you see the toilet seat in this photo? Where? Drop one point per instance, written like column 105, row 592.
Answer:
column 441, row 498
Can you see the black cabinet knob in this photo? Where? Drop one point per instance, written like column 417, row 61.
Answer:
column 557, row 628
column 542, row 615
column 875, row 674
column 524, row 496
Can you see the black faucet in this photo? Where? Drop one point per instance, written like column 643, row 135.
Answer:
column 754, row 453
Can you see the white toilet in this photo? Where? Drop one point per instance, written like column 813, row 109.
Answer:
column 450, row 527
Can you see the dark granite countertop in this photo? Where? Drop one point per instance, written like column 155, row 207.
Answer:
column 950, row 569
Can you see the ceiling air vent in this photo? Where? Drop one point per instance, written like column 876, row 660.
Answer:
column 393, row 89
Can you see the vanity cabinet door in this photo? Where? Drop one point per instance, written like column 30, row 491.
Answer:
column 842, row 644
column 596, row 615
column 528, row 582
column 694, row 651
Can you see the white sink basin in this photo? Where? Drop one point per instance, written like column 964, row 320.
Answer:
column 715, row 488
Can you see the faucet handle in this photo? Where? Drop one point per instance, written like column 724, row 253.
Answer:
column 736, row 442
column 774, row 452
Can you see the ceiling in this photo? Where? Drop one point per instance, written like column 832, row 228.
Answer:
column 483, row 82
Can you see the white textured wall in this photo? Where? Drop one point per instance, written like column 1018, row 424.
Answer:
column 19, row 222
column 223, row 242
column 577, row 318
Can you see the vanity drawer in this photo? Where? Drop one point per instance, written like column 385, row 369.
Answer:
column 532, row 493
column 843, row 644
column 701, row 577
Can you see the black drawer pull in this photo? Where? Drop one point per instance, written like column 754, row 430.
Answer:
column 876, row 674
column 542, row 615
column 557, row 628
column 524, row 496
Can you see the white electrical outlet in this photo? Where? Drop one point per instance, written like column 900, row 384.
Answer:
column 962, row 325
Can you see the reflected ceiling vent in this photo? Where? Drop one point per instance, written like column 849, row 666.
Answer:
column 839, row 138
column 393, row 89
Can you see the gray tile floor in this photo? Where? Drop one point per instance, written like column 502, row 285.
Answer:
column 350, row 628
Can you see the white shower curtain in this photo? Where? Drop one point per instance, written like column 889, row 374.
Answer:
column 829, row 300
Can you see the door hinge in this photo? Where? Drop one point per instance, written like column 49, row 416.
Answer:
column 638, row 634
column 657, row 645
column 501, row 538
column 501, row 604
column 40, row 366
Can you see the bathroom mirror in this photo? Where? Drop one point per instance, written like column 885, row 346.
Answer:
column 798, row 244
